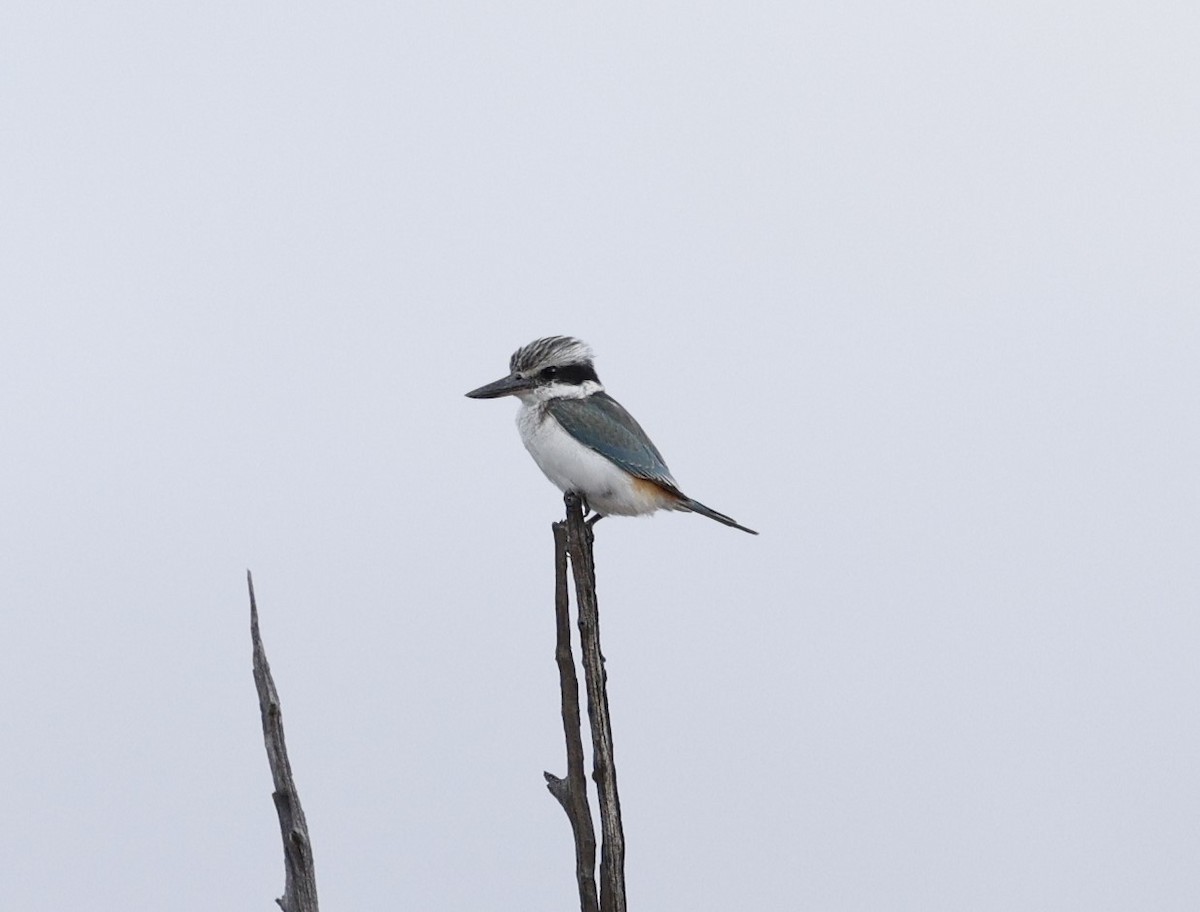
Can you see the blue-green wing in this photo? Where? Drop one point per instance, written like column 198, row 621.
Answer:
column 601, row 423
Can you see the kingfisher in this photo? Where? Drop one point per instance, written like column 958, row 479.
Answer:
column 583, row 439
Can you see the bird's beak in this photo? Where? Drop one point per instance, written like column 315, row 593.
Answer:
column 508, row 386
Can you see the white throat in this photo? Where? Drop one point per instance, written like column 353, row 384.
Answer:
column 548, row 391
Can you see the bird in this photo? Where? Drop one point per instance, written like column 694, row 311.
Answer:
column 582, row 439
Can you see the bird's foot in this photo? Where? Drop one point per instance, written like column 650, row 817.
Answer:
column 591, row 519
column 587, row 508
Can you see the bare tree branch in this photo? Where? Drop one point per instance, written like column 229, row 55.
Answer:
column 300, row 889
column 572, row 791
column 604, row 770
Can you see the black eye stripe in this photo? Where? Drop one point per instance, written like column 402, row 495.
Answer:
column 574, row 374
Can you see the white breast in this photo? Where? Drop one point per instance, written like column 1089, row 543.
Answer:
column 571, row 466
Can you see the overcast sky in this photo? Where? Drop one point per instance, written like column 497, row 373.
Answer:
column 912, row 289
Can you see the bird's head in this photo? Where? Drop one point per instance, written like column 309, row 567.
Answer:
column 556, row 367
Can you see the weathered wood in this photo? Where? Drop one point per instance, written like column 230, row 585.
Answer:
column 571, row 792
column 604, row 770
column 300, row 887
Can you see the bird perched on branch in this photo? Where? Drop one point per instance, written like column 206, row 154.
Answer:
column 583, row 439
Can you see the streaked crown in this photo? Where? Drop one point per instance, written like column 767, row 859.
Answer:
column 553, row 351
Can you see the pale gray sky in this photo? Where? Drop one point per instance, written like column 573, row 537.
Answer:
column 912, row 290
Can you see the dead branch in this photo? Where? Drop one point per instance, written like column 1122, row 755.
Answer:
column 300, row 888
column 571, row 792
column 604, row 770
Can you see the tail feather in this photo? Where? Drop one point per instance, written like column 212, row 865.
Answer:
column 694, row 506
